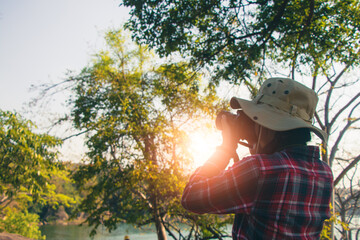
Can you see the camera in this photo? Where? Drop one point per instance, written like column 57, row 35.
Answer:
column 241, row 123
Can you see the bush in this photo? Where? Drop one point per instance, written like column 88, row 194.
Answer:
column 21, row 222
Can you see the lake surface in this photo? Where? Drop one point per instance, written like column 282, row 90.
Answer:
column 74, row 232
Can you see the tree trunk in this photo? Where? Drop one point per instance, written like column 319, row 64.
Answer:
column 325, row 158
column 150, row 152
column 160, row 229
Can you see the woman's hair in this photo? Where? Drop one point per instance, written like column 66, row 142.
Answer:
column 294, row 136
column 283, row 139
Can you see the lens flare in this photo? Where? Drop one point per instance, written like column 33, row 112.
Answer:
column 203, row 144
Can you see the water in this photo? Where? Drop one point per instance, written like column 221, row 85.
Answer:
column 73, row 232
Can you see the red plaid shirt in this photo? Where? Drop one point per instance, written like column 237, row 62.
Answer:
column 285, row 195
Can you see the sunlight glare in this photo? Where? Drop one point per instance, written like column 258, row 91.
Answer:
column 203, row 143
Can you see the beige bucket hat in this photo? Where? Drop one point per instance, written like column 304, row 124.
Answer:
column 282, row 104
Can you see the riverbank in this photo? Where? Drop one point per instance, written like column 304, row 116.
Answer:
column 12, row 236
column 61, row 222
column 61, row 217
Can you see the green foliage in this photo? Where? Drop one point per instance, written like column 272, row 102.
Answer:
column 137, row 113
column 329, row 33
column 334, row 219
column 235, row 37
column 21, row 222
column 61, row 190
column 30, row 176
column 27, row 159
column 61, row 193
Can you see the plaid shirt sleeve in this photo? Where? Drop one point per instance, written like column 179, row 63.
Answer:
column 211, row 189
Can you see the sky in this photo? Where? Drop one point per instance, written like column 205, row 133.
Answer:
column 41, row 40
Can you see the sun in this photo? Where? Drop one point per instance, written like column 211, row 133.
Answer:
column 203, row 143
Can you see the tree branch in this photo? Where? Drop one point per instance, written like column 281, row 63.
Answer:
column 341, row 134
column 345, row 170
column 343, row 109
column 272, row 25
column 322, row 126
column 328, row 97
column 75, row 135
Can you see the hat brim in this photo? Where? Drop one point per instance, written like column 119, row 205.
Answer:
column 273, row 118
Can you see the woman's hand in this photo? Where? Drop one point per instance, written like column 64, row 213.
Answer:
column 230, row 134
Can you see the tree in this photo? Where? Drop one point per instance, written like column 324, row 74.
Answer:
column 316, row 42
column 235, row 36
column 135, row 114
column 27, row 160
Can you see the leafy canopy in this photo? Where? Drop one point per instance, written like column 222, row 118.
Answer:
column 234, row 37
